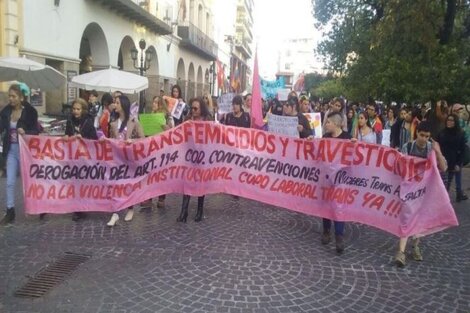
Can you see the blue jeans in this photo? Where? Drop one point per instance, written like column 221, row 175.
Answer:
column 458, row 180
column 13, row 167
column 339, row 227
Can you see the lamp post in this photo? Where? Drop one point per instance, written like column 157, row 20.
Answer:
column 145, row 59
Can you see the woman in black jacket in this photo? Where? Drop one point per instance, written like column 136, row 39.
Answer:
column 452, row 142
column 80, row 125
column 16, row 119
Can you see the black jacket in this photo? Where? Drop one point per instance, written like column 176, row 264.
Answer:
column 452, row 144
column 28, row 121
column 83, row 126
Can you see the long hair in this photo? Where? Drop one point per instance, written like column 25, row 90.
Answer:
column 205, row 114
column 179, row 91
column 162, row 106
column 456, row 127
column 126, row 108
column 16, row 88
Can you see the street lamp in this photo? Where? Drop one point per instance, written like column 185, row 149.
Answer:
column 145, row 59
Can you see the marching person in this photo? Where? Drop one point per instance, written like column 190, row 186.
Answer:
column 199, row 112
column 333, row 128
column 452, row 141
column 80, row 125
column 422, row 147
column 124, row 128
column 238, row 117
column 159, row 106
column 290, row 109
column 16, row 119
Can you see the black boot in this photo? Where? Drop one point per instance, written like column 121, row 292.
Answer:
column 461, row 196
column 200, row 209
column 76, row 216
column 9, row 217
column 184, row 209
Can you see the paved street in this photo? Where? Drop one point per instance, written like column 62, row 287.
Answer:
column 244, row 257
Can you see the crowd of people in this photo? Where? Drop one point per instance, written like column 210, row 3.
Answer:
column 414, row 130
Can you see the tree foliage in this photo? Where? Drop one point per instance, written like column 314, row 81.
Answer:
column 397, row 50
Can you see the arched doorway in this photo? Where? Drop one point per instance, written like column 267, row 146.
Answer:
column 207, row 80
column 191, row 81
column 94, row 52
column 181, row 76
column 153, row 76
column 125, row 62
column 200, row 82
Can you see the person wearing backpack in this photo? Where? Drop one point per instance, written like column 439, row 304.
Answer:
column 422, row 147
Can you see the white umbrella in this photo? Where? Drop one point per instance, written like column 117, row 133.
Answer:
column 33, row 74
column 110, row 80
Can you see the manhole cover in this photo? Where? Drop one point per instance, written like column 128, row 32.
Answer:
column 52, row 275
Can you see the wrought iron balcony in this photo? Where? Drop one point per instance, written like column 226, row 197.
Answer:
column 244, row 47
column 195, row 40
column 131, row 10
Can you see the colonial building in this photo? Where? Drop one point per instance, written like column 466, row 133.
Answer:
column 86, row 35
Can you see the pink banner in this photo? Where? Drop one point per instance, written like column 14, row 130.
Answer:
column 329, row 178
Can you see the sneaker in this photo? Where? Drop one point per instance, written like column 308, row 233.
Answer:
column 325, row 238
column 9, row 217
column 339, row 244
column 461, row 197
column 400, row 259
column 417, row 256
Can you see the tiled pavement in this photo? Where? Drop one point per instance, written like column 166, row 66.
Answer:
column 244, row 257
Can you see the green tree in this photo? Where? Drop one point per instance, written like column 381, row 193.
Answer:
column 400, row 50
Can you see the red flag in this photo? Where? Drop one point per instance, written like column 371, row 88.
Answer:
column 256, row 104
column 220, row 75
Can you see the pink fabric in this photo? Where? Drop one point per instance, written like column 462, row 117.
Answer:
column 336, row 179
column 256, row 104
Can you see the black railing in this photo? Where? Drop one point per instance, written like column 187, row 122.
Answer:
column 193, row 38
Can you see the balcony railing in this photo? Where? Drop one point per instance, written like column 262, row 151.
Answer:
column 194, row 39
column 244, row 47
column 131, row 10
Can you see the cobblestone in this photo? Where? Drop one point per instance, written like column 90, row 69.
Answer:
column 244, row 257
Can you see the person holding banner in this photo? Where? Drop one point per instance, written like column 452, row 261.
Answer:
column 80, row 125
column 333, row 128
column 422, row 147
column 237, row 117
column 125, row 128
column 199, row 112
column 159, row 106
column 17, row 118
column 289, row 109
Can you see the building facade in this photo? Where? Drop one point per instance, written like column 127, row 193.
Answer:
column 80, row 36
column 296, row 57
